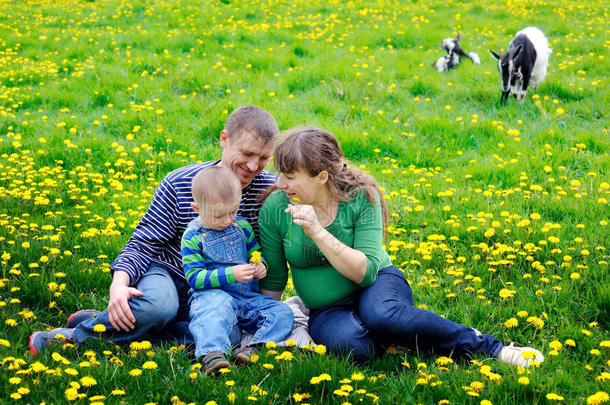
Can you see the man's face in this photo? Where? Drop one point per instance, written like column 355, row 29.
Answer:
column 245, row 154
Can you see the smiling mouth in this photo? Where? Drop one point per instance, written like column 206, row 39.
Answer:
column 247, row 172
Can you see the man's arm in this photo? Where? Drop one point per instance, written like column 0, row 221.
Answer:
column 119, row 312
column 154, row 231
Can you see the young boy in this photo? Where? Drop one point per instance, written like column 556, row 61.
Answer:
column 222, row 264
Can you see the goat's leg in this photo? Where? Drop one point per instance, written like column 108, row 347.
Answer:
column 525, row 83
column 514, row 90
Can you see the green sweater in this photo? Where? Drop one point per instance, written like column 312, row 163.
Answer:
column 358, row 224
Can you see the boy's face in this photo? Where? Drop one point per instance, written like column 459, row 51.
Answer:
column 245, row 154
column 217, row 214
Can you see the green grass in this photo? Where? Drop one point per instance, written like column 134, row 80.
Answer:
column 100, row 99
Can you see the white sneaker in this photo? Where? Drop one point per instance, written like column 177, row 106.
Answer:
column 520, row 356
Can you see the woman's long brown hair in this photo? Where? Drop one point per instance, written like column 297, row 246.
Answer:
column 314, row 150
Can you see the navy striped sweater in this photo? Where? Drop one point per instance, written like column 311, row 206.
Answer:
column 158, row 234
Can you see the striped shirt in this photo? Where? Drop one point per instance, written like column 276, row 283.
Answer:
column 234, row 245
column 158, row 234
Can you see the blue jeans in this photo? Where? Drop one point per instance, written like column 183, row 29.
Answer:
column 162, row 312
column 218, row 311
column 384, row 314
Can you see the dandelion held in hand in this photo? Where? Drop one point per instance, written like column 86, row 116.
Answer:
column 256, row 257
column 294, row 200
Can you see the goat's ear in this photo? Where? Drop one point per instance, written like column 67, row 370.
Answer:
column 517, row 51
column 495, row 55
column 459, row 36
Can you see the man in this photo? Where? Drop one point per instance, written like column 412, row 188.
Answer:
column 148, row 294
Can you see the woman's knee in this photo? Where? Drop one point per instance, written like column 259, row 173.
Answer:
column 345, row 335
column 387, row 316
column 387, row 302
column 375, row 317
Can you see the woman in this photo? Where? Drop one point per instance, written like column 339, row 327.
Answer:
column 326, row 222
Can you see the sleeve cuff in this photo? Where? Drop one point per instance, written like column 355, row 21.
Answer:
column 229, row 275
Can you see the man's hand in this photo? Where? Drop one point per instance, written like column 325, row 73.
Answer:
column 260, row 270
column 119, row 313
column 243, row 272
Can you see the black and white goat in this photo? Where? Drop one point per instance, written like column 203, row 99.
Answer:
column 525, row 61
column 454, row 54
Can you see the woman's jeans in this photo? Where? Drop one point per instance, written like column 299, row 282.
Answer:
column 162, row 312
column 216, row 312
column 384, row 314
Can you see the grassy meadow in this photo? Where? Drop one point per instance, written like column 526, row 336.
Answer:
column 499, row 213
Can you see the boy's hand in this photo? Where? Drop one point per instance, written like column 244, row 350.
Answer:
column 260, row 270
column 243, row 272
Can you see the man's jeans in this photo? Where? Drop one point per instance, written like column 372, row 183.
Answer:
column 162, row 312
column 384, row 314
column 216, row 312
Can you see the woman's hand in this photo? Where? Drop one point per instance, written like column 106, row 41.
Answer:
column 348, row 261
column 305, row 216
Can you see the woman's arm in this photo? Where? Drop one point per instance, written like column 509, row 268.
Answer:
column 350, row 262
column 276, row 295
column 360, row 262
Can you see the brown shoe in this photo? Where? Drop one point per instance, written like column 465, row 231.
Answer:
column 241, row 355
column 213, row 362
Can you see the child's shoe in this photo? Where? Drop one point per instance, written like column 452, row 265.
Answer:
column 213, row 362
column 241, row 355
column 40, row 340
column 520, row 356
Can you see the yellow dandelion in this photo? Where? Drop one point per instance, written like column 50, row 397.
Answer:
column 511, row 323
column 256, row 257
column 598, row 398
column 149, row 365
column 99, row 328
column 88, row 381
column 136, row 372
column 551, row 396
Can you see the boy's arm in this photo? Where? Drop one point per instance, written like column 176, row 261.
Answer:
column 193, row 265
column 272, row 243
column 255, row 254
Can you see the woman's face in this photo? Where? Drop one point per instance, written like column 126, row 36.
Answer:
column 302, row 187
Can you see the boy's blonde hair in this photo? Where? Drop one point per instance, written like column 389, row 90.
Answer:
column 215, row 183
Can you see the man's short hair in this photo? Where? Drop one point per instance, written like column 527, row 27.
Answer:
column 255, row 120
column 215, row 183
